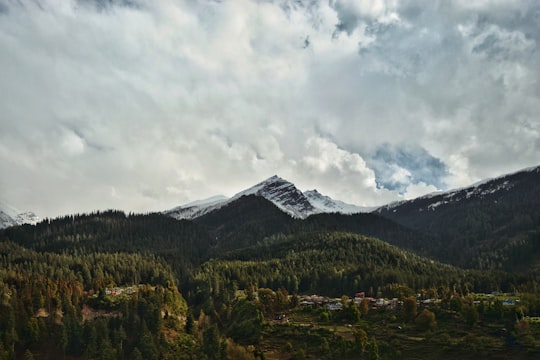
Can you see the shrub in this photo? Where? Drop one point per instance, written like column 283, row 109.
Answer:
column 426, row 320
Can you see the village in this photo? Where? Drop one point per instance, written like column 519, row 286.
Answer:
column 335, row 304
column 130, row 290
column 434, row 325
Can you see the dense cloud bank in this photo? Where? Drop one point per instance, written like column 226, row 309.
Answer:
column 143, row 105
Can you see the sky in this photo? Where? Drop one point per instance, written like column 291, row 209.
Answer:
column 143, row 105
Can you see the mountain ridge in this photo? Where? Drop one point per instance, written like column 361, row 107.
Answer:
column 494, row 223
column 473, row 189
column 287, row 197
column 282, row 193
column 10, row 216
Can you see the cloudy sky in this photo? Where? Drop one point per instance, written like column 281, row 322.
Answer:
column 143, row 105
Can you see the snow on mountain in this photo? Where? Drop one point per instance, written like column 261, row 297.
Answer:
column 207, row 202
column 6, row 220
column 27, row 217
column 275, row 189
column 303, row 204
column 326, row 204
column 197, row 208
column 280, row 192
column 283, row 194
column 479, row 190
column 9, row 216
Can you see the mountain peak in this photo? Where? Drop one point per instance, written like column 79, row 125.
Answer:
column 10, row 216
column 283, row 194
column 274, row 179
column 326, row 204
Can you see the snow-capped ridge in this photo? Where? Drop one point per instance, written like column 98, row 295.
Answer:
column 10, row 216
column 479, row 189
column 282, row 193
column 197, row 208
column 27, row 218
column 326, row 204
column 208, row 201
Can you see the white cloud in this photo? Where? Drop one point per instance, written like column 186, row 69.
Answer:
column 400, row 175
column 418, row 189
column 171, row 101
column 339, row 173
column 324, row 156
column 72, row 143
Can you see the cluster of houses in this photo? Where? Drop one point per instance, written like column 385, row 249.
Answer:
column 130, row 290
column 335, row 304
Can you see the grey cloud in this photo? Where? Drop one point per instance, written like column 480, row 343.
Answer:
column 103, row 5
column 352, row 14
column 419, row 165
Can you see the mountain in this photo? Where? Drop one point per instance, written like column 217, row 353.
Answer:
column 62, row 268
column 280, row 192
column 251, row 219
column 9, row 216
column 492, row 224
column 197, row 208
column 489, row 188
column 325, row 204
column 283, row 194
column 245, row 221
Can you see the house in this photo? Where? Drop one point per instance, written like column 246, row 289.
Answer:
column 130, row 291
column 358, row 300
column 509, row 302
column 393, row 304
column 334, row 306
column 117, row 291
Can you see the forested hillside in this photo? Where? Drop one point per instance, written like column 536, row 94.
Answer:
column 244, row 222
column 103, row 285
column 93, row 305
column 181, row 243
column 250, row 219
column 336, row 263
column 112, row 286
column 492, row 225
